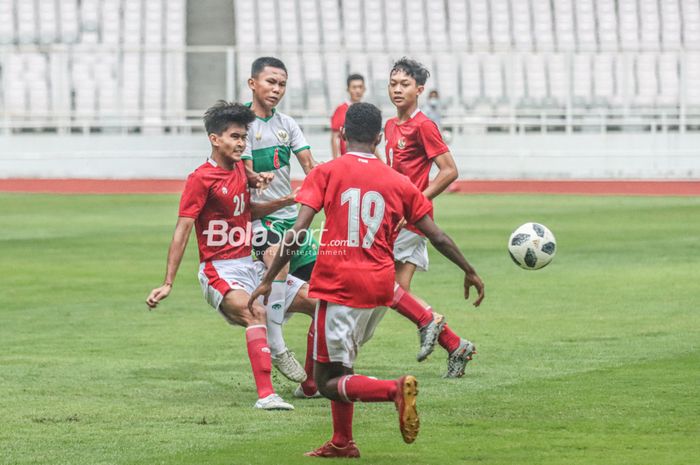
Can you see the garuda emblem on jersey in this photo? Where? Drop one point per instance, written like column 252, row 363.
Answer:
column 283, row 136
column 401, row 143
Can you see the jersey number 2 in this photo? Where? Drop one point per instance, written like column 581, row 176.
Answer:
column 370, row 208
column 238, row 204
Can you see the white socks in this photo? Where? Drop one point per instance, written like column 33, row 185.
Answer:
column 275, row 316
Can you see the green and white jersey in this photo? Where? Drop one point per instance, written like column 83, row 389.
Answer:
column 270, row 144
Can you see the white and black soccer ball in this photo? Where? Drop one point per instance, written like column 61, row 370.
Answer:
column 532, row 246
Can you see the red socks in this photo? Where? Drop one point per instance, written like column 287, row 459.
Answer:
column 408, row 306
column 342, row 422
column 365, row 389
column 309, row 386
column 260, row 359
column 448, row 339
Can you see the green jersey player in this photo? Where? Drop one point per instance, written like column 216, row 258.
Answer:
column 273, row 140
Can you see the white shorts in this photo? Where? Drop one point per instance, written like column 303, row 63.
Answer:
column 341, row 330
column 218, row 277
column 412, row 248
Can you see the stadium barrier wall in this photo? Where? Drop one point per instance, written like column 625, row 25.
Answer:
column 478, row 156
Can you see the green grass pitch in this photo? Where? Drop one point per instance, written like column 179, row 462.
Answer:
column 592, row 360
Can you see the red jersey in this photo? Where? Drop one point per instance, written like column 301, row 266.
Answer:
column 338, row 121
column 411, row 147
column 363, row 200
column 218, row 200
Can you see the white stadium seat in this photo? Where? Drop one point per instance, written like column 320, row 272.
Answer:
column 607, row 25
column 500, row 22
column 479, row 25
column 458, row 25
column 542, row 17
column 522, row 26
column 470, row 73
column 564, row 25
column 585, row 26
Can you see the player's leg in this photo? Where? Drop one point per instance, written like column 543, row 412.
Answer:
column 411, row 253
column 282, row 358
column 340, row 331
column 234, row 307
column 298, row 294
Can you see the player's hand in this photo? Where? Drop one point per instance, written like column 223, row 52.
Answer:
column 401, row 224
column 263, row 289
column 473, row 279
column 290, row 199
column 158, row 294
column 262, row 180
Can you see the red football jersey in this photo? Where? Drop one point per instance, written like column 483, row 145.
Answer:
column 411, row 147
column 218, row 200
column 364, row 200
column 338, row 121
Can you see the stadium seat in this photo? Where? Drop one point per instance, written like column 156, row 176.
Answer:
column 458, row 25
column 446, row 78
column 479, row 26
column 585, row 26
column 470, row 73
column 691, row 24
column 336, row 76
column 315, row 83
column 607, row 25
column 542, row 17
column 374, row 27
column 536, row 79
column 268, row 32
column 603, row 79
column 352, row 26
column 394, row 28
column 582, row 80
column 246, row 22
column 7, row 23
column 649, row 20
column 522, row 26
column 669, row 91
column 515, row 81
column 647, row 81
column 670, row 26
column 629, row 29
column 691, row 86
column 493, row 78
column 437, row 26
column 309, row 18
column 415, row 25
column 564, row 24
column 500, row 21
column 559, row 78
column 330, row 19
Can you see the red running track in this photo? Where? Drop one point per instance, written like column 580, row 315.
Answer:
column 172, row 186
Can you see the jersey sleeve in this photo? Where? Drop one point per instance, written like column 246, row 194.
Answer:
column 297, row 140
column 248, row 152
column 416, row 205
column 313, row 190
column 432, row 139
column 193, row 198
column 337, row 119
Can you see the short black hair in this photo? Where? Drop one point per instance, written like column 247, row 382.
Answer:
column 223, row 114
column 260, row 63
column 363, row 122
column 412, row 68
column 355, row 77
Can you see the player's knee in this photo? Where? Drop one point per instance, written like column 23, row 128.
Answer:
column 328, row 391
column 256, row 316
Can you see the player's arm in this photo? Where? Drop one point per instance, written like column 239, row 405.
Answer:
column 335, row 144
column 256, row 180
column 175, row 253
column 259, row 210
column 448, row 173
column 306, row 160
column 290, row 244
column 446, row 246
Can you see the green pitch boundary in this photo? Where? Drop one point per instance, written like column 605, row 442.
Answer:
column 173, row 186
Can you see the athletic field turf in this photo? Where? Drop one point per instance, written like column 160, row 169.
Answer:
column 592, row 360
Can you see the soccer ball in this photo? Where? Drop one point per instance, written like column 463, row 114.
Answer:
column 532, row 246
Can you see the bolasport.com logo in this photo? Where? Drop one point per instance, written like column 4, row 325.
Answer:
column 219, row 234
